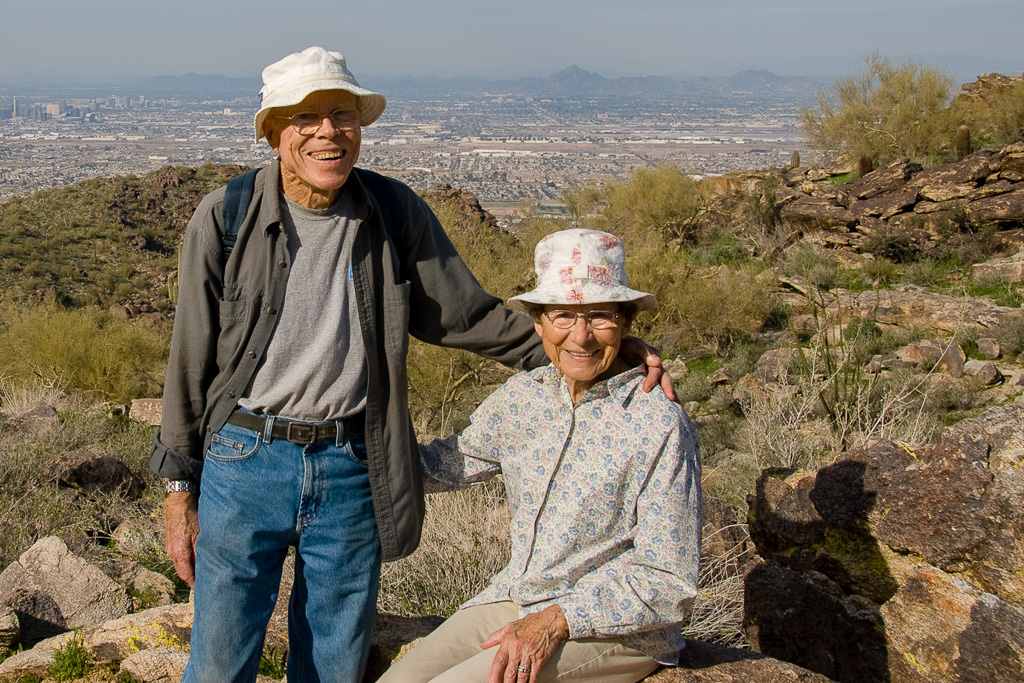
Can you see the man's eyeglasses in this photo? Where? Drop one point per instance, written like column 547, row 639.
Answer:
column 309, row 122
column 599, row 320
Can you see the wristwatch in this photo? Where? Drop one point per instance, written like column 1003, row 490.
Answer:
column 176, row 485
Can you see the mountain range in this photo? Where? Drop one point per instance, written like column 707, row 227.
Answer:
column 569, row 82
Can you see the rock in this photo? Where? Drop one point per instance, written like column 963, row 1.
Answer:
column 150, row 589
column 910, row 306
column 87, row 471
column 10, row 631
column 53, row 590
column 881, row 181
column 868, row 558
column 885, row 206
column 691, row 407
column 40, row 419
column 393, row 637
column 812, row 214
column 807, row 619
column 676, row 368
column 721, row 376
column 29, row 663
column 148, row 411
column 972, row 170
column 159, row 665
column 784, row 366
column 946, row 629
column 985, row 371
column 1010, row 269
column 1004, row 208
column 943, row 193
column 988, row 348
column 710, row 663
column 158, row 627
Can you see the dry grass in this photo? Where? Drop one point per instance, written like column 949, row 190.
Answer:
column 465, row 541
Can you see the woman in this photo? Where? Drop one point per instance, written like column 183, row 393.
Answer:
column 603, row 482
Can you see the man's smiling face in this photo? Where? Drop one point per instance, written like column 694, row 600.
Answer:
column 317, row 164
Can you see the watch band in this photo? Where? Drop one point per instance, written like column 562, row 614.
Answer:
column 178, row 485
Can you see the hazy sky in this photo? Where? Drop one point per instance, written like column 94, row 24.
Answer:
column 512, row 38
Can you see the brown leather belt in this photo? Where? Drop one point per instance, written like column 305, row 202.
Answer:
column 298, row 432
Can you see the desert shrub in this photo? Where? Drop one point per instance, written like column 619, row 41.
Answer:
column 892, row 244
column 805, row 257
column 71, row 660
column 881, row 270
column 726, row 250
column 661, row 201
column 85, row 349
column 1009, row 332
column 887, row 111
column 713, row 310
column 717, row 612
column 465, row 541
column 927, row 272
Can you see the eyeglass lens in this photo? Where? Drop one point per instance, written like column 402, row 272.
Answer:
column 597, row 319
column 306, row 122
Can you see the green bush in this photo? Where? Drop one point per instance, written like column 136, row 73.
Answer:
column 661, row 201
column 85, row 349
column 70, row 661
column 887, row 111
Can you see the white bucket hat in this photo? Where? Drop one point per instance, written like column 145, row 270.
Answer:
column 581, row 267
column 292, row 79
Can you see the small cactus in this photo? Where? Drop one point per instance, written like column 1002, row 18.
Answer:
column 865, row 165
column 963, row 142
column 794, row 162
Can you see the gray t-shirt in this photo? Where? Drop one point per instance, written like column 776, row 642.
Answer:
column 315, row 365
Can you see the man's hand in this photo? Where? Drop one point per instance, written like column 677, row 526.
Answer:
column 637, row 350
column 181, row 522
column 525, row 645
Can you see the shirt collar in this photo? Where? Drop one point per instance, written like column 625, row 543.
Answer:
column 270, row 212
column 618, row 387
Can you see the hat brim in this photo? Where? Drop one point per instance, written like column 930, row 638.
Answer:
column 620, row 295
column 369, row 103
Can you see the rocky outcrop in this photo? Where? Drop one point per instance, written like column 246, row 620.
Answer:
column 897, row 564
column 904, row 200
column 52, row 590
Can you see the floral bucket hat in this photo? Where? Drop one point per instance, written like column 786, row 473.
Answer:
column 581, row 267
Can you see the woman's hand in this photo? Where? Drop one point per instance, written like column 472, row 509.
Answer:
column 633, row 349
column 525, row 645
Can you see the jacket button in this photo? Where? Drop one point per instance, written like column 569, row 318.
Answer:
column 251, row 354
column 209, row 428
column 283, row 264
column 271, row 310
column 231, row 394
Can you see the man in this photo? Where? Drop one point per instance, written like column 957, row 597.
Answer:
column 286, row 386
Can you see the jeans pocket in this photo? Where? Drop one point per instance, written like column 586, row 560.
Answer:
column 355, row 448
column 233, row 444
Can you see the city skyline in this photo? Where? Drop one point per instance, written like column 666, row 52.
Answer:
column 126, row 39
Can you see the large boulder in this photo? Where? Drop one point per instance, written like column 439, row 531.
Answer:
column 53, row 590
column 891, row 551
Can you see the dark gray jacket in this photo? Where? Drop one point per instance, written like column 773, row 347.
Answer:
column 408, row 279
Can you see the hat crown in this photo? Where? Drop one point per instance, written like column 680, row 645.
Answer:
column 581, row 267
column 568, row 257
column 299, row 65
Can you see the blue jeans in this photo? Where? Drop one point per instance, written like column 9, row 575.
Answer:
column 260, row 496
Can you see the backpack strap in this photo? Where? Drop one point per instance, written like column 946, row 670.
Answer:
column 236, row 205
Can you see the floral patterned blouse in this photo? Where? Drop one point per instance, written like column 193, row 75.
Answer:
column 604, row 499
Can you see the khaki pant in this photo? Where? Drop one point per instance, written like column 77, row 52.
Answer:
column 452, row 654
